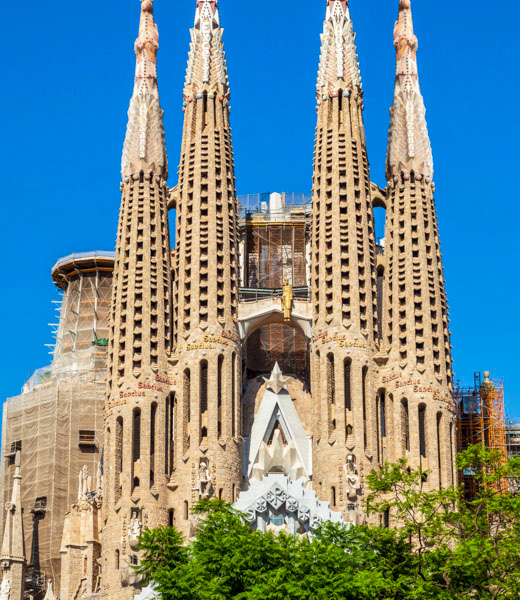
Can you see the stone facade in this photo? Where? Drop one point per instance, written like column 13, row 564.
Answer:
column 202, row 397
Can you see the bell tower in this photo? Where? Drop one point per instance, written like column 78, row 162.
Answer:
column 207, row 349
column 135, row 493
column 342, row 273
column 418, row 377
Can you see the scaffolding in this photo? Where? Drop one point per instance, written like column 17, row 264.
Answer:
column 275, row 230
column 480, row 421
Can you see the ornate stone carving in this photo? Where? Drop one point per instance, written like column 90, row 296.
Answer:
column 5, row 589
column 352, row 479
column 409, row 145
column 204, row 480
column 339, row 67
column 144, row 147
column 84, row 484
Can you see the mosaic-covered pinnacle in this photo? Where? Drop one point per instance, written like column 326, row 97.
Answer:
column 207, row 71
column 145, row 148
column 409, row 147
column 339, row 67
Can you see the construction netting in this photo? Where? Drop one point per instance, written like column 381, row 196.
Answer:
column 277, row 343
column 57, row 423
column 275, row 253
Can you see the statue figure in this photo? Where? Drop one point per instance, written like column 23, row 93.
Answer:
column 99, row 480
column 5, row 589
column 204, row 480
column 351, row 477
column 287, row 300
column 85, row 484
column 134, row 531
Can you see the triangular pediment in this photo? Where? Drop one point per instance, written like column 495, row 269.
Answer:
column 277, row 436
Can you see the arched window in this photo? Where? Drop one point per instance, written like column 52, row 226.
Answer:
column 119, row 456
column 186, row 510
column 203, row 387
column 153, row 418
column 364, row 374
column 219, row 395
column 331, row 380
column 439, row 457
column 167, row 436
column 380, row 300
column 347, row 367
column 422, row 430
column 171, row 517
column 186, row 393
column 451, row 454
column 233, row 394
column 405, row 424
column 117, row 560
column 136, row 444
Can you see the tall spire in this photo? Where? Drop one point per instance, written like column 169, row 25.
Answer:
column 13, row 545
column 339, row 67
column 207, row 71
column 145, row 147
column 408, row 144
column 207, row 348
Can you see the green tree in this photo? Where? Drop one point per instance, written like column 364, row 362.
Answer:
column 462, row 549
column 439, row 546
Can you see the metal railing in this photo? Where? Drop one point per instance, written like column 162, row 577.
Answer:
column 256, row 294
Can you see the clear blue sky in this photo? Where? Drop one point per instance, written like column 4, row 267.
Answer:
column 68, row 75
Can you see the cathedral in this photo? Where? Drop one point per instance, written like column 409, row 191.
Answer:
column 273, row 357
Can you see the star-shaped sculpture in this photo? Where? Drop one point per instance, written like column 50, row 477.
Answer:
column 277, row 381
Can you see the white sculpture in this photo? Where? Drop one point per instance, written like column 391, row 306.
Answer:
column 351, row 477
column 84, row 484
column 204, row 480
column 5, row 589
column 134, row 531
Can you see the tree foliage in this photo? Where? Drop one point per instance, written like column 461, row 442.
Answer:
column 439, row 546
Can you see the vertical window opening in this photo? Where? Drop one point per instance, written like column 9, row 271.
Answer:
column 203, row 387
column 136, row 445
column 405, row 424
column 171, row 517
column 119, row 456
column 233, row 400
column 439, row 459
column 333, row 496
column 348, row 398
column 186, row 392
column 219, row 395
column 422, row 430
column 153, row 416
column 167, row 436
column 171, row 418
column 186, row 510
column 380, row 301
column 364, row 399
column 331, row 382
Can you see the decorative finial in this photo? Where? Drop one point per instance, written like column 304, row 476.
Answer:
column 409, row 144
column 487, row 375
column 277, row 382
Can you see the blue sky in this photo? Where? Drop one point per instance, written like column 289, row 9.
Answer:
column 68, row 75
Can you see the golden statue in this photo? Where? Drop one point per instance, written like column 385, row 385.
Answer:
column 287, row 300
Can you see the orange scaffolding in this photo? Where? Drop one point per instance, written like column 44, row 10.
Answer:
column 480, row 420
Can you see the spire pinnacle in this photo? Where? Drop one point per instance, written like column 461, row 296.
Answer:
column 339, row 67
column 409, row 145
column 207, row 71
column 144, row 147
column 13, row 546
